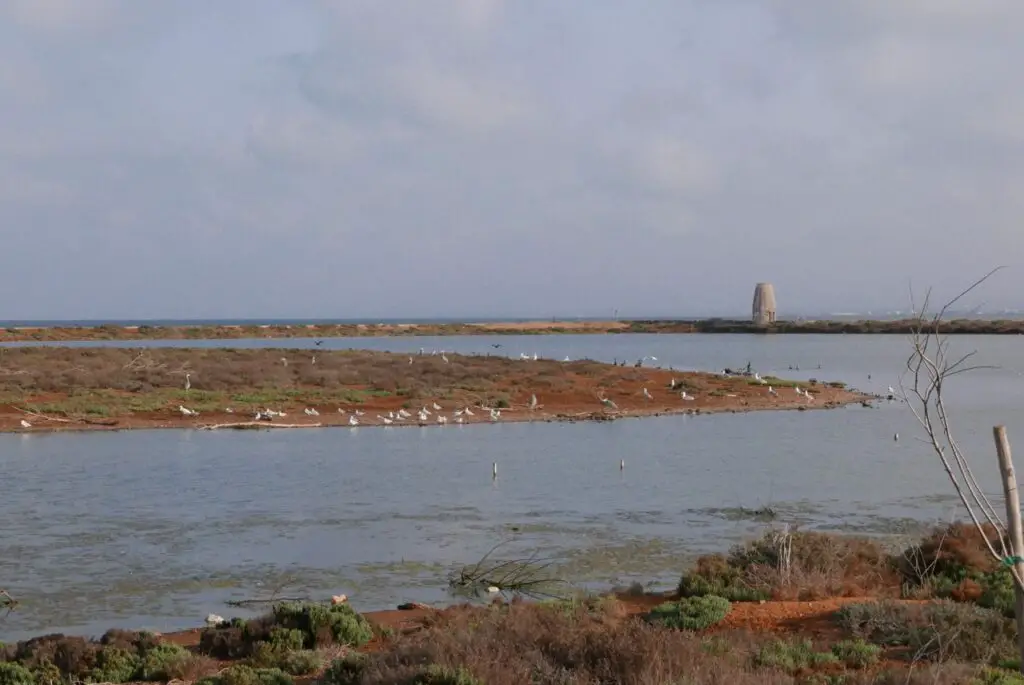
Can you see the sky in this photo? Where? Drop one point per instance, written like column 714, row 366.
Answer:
column 362, row 158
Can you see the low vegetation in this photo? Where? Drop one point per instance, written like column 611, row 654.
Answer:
column 909, row 619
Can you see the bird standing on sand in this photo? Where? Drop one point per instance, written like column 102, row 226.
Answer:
column 188, row 382
column 25, row 424
column 533, row 402
column 353, row 421
column 647, row 395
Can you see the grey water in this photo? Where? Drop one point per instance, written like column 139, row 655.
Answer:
column 155, row 529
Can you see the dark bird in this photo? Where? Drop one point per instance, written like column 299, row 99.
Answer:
column 495, row 345
column 318, row 343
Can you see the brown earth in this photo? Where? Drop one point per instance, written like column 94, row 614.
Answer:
column 55, row 388
column 226, row 332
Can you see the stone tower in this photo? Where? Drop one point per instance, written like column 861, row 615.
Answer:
column 764, row 304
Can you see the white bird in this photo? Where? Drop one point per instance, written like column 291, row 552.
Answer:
column 469, row 412
column 566, row 358
column 891, row 391
column 386, row 420
column 437, row 407
column 422, row 416
column 358, row 412
column 426, row 411
column 492, row 589
column 341, row 411
column 410, row 360
column 771, row 391
column 687, row 397
column 213, row 620
column 608, row 403
column 309, row 411
column 284, row 361
column 442, row 419
column 404, row 414
column 229, row 410
column 533, row 402
column 353, row 421
column 534, row 356
column 647, row 394
column 495, row 414
column 25, row 424
column 314, row 359
column 457, row 412
column 185, row 411
column 798, row 390
column 809, row 396
column 459, row 419
column 757, row 376
column 672, row 384
column 444, row 358
column 188, row 383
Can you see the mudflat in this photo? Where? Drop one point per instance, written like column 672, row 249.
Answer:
column 56, row 388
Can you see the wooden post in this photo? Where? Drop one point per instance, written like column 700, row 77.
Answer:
column 1013, row 524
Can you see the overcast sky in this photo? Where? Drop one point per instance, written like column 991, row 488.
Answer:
column 406, row 158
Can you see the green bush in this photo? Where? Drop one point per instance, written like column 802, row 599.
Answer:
column 240, row 674
column 791, row 656
column 15, row 674
column 163, row 662
column 994, row 676
column 691, row 613
column 115, row 665
column 47, row 673
column 347, row 670
column 856, row 653
column 300, row 662
column 322, row 624
column 693, row 585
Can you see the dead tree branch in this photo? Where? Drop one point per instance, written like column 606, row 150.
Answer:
column 923, row 386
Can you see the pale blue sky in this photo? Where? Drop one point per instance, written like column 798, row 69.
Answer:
column 389, row 158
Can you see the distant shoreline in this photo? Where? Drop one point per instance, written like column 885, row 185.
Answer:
column 354, row 330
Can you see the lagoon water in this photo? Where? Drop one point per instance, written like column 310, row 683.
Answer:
column 155, row 529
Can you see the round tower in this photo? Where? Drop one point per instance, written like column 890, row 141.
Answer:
column 764, row 304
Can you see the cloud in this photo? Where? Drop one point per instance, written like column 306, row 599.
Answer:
column 469, row 157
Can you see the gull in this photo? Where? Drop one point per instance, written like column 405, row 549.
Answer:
column 353, row 421
column 457, row 412
column 891, row 391
column 533, row 402
column 647, row 394
column 261, row 416
column 385, row 419
column 442, row 419
column 404, row 414
column 495, row 414
column 524, row 356
column 809, row 396
column 391, row 414
column 314, row 359
column 425, row 410
column 421, row 350
column 25, row 424
column 534, row 356
column 672, row 384
column 436, row 406
column 771, row 391
column 608, row 403
column 188, row 383
column 229, row 410
column 459, row 419
column 358, row 412
column 798, row 390
column 311, row 412
column 469, row 412
column 566, row 358
column 687, row 397
column 213, row 620
column 186, row 411
column 341, row 411
column 284, row 361
column 410, row 360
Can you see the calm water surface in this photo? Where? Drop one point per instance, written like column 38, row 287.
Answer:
column 158, row 528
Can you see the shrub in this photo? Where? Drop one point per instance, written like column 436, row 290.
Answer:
column 300, row 662
column 940, row 631
column 240, row 674
column 15, row 674
column 347, row 670
column 442, row 675
column 115, row 665
column 692, row 613
column 791, row 656
column 164, row 662
column 993, row 676
column 856, row 653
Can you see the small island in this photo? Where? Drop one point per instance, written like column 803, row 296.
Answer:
column 59, row 388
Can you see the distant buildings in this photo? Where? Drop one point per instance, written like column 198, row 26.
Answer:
column 764, row 304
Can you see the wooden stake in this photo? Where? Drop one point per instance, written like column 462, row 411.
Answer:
column 1013, row 523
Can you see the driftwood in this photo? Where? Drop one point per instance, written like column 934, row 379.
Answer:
column 242, row 425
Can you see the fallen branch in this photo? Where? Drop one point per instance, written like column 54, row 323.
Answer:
column 241, row 425
column 527, row 577
column 7, row 602
column 271, row 600
column 44, row 416
column 76, row 419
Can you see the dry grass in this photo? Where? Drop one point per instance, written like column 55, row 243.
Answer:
column 541, row 644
